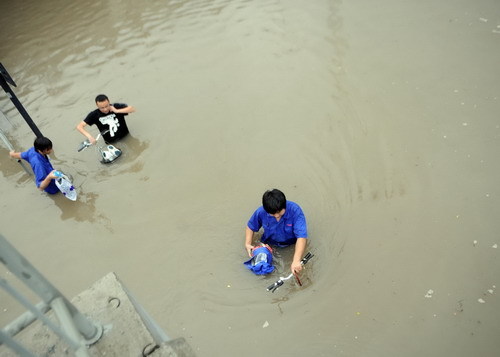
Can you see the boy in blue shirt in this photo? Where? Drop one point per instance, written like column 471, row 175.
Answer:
column 39, row 161
column 284, row 224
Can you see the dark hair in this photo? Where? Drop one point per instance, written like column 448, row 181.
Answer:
column 42, row 143
column 273, row 201
column 101, row 98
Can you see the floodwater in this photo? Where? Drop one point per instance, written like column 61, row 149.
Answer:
column 382, row 120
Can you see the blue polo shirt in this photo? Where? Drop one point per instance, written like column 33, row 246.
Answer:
column 41, row 168
column 283, row 233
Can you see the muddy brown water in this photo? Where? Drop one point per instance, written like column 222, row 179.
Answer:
column 381, row 120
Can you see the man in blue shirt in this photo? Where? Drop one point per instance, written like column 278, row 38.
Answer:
column 284, row 224
column 39, row 161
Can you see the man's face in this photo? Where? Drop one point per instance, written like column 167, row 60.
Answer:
column 47, row 151
column 104, row 106
column 279, row 214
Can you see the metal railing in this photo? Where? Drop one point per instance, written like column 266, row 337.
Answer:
column 74, row 328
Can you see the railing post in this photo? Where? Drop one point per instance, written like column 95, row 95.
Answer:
column 64, row 309
column 5, row 79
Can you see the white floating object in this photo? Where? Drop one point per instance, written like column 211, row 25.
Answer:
column 475, row 242
column 429, row 293
column 483, row 19
column 464, row 124
column 490, row 291
column 481, row 301
column 265, row 324
column 494, row 246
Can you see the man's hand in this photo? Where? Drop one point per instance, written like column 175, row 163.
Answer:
column 249, row 249
column 52, row 175
column 296, row 267
column 15, row 155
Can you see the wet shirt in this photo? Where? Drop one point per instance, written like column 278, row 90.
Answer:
column 114, row 122
column 291, row 226
column 41, row 168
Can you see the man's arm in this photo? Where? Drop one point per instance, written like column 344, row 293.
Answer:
column 128, row 109
column 248, row 241
column 300, row 247
column 15, row 155
column 80, row 127
column 46, row 180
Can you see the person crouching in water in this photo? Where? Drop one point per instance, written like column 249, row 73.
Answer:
column 284, row 224
column 40, row 163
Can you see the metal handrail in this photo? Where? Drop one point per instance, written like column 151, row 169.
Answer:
column 76, row 329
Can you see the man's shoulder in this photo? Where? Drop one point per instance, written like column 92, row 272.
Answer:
column 93, row 115
column 29, row 154
column 260, row 211
column 293, row 207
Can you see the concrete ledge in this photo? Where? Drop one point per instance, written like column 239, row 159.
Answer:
column 125, row 334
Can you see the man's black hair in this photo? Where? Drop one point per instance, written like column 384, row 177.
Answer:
column 273, row 201
column 101, row 98
column 42, row 143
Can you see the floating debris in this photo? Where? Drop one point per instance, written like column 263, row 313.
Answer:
column 490, row 291
column 474, row 243
column 482, row 19
column 494, row 246
column 429, row 293
column 266, row 324
column 481, row 301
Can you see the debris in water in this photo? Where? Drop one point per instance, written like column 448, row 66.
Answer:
column 490, row 291
column 265, row 324
column 429, row 293
column 474, row 243
column 494, row 246
column 481, row 301
column 483, row 19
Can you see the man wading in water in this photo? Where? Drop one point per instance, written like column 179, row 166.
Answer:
column 284, row 224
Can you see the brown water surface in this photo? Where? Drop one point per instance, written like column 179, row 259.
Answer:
column 382, row 120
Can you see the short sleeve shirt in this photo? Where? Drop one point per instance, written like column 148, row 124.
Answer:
column 113, row 122
column 41, row 168
column 291, row 226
